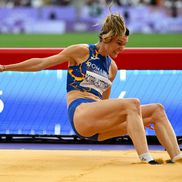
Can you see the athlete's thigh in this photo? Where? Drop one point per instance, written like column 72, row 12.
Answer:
column 101, row 115
column 115, row 131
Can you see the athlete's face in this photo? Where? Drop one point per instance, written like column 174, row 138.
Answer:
column 116, row 45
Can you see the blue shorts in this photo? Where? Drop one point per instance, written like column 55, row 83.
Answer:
column 71, row 111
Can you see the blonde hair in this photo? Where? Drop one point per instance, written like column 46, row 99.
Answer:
column 113, row 26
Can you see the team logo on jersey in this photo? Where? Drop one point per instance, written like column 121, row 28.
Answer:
column 96, row 69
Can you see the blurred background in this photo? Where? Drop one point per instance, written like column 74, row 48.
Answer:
column 35, row 103
column 153, row 23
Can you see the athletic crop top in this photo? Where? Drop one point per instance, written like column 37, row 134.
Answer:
column 92, row 75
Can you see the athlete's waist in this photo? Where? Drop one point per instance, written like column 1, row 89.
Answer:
column 75, row 94
column 84, row 90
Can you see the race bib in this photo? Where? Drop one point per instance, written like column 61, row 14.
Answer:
column 96, row 82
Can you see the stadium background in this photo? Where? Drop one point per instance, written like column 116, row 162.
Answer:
column 35, row 103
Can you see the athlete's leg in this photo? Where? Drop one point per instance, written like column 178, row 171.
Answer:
column 115, row 131
column 99, row 117
column 155, row 114
column 152, row 114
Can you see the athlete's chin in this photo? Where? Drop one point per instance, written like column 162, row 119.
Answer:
column 114, row 55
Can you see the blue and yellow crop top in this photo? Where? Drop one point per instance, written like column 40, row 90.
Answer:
column 92, row 75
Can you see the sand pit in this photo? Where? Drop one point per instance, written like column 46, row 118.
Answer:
column 84, row 166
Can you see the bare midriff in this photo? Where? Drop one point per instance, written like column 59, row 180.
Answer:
column 76, row 94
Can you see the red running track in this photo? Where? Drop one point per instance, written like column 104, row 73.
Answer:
column 130, row 58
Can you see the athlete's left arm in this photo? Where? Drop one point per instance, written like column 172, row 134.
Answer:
column 112, row 73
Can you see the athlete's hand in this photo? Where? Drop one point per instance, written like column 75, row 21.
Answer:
column 1, row 68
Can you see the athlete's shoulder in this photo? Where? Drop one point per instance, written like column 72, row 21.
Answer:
column 75, row 50
column 76, row 53
column 78, row 48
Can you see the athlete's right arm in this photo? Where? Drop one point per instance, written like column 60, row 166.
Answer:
column 69, row 54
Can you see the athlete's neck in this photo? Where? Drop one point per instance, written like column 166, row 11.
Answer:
column 101, row 49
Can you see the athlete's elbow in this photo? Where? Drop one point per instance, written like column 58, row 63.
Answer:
column 36, row 69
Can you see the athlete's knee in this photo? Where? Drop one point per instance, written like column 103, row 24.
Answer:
column 159, row 107
column 159, row 112
column 133, row 105
column 136, row 102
